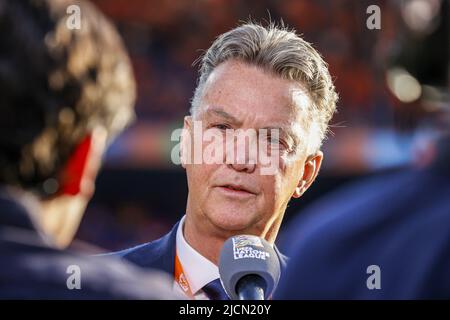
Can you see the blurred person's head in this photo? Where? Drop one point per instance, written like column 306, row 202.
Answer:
column 64, row 93
column 255, row 77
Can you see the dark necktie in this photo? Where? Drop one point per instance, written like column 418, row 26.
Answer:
column 215, row 291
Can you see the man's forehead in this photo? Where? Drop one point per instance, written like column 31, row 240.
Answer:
column 243, row 83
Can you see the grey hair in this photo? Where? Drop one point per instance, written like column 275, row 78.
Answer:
column 284, row 53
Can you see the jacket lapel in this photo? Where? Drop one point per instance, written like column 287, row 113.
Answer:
column 158, row 254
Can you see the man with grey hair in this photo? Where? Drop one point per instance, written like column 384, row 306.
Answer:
column 251, row 78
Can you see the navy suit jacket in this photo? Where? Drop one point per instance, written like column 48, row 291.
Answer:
column 160, row 254
column 397, row 221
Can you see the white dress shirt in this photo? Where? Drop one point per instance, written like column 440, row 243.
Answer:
column 198, row 270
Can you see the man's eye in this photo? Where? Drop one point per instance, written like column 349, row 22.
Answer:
column 274, row 140
column 220, row 126
column 279, row 144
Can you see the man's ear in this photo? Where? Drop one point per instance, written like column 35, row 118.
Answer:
column 62, row 213
column 79, row 173
column 185, row 140
column 310, row 172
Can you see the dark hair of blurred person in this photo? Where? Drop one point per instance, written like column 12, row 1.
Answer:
column 64, row 93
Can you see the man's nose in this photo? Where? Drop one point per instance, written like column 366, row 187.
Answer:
column 244, row 156
column 246, row 167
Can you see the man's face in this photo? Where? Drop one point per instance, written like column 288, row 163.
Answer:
column 241, row 96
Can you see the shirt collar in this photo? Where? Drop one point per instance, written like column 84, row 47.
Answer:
column 198, row 270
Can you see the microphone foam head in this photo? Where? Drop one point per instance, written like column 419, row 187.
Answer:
column 243, row 255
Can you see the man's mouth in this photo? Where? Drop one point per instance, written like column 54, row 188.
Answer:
column 237, row 190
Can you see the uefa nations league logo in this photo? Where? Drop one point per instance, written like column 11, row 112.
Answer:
column 245, row 246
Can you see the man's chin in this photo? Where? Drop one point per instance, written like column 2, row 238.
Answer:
column 231, row 225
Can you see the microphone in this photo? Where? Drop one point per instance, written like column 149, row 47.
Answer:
column 249, row 268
